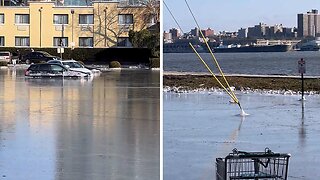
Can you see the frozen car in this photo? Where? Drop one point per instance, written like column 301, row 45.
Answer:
column 51, row 70
column 75, row 66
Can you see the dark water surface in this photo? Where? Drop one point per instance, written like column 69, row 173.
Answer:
column 105, row 128
column 284, row 63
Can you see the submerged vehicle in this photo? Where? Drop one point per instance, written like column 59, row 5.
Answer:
column 52, row 70
column 75, row 66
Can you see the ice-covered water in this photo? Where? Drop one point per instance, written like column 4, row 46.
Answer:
column 201, row 126
column 107, row 127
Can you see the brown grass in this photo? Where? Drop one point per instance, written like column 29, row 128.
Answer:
column 206, row 81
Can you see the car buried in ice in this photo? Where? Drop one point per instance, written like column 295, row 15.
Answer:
column 75, row 66
column 52, row 70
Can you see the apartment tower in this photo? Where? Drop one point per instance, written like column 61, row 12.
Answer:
column 309, row 24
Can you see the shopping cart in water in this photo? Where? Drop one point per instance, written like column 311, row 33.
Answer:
column 253, row 165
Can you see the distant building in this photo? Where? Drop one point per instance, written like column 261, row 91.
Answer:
column 195, row 32
column 226, row 34
column 175, row 33
column 167, row 37
column 288, row 32
column 258, row 31
column 272, row 32
column 309, row 24
column 242, row 33
column 208, row 32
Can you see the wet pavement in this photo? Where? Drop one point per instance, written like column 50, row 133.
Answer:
column 199, row 127
column 103, row 128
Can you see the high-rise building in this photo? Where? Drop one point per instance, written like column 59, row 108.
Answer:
column 309, row 24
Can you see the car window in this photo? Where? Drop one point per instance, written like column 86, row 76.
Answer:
column 55, row 67
column 4, row 54
column 72, row 64
column 44, row 67
column 45, row 53
column 33, row 67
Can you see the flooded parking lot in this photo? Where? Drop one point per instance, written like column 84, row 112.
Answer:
column 103, row 128
column 199, row 127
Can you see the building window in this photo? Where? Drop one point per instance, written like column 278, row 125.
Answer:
column 60, row 41
column 1, row 18
column 22, row 19
column 123, row 42
column 60, row 19
column 125, row 19
column 85, row 18
column 85, row 41
column 1, row 40
column 22, row 41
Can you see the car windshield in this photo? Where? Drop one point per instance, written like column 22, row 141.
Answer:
column 4, row 54
column 73, row 64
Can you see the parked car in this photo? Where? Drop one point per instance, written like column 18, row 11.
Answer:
column 51, row 70
column 37, row 57
column 75, row 66
column 5, row 56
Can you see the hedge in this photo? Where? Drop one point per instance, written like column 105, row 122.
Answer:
column 94, row 55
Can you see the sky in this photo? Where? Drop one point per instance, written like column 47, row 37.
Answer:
column 231, row 15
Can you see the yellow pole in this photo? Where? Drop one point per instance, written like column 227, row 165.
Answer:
column 213, row 57
column 214, row 76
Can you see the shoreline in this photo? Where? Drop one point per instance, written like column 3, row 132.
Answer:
column 192, row 81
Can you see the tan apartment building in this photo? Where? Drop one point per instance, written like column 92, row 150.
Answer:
column 46, row 25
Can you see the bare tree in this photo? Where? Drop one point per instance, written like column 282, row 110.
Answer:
column 108, row 29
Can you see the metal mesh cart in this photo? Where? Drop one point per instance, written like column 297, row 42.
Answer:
column 253, row 165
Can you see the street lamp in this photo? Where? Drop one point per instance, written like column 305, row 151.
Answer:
column 40, row 11
column 105, row 27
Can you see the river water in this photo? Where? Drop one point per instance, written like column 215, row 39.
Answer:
column 199, row 127
column 103, row 128
column 279, row 63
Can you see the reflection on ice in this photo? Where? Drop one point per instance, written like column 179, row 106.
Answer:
column 199, row 127
column 104, row 128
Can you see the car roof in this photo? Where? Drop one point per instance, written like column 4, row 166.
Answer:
column 43, row 64
column 5, row 52
column 69, row 60
column 54, row 61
